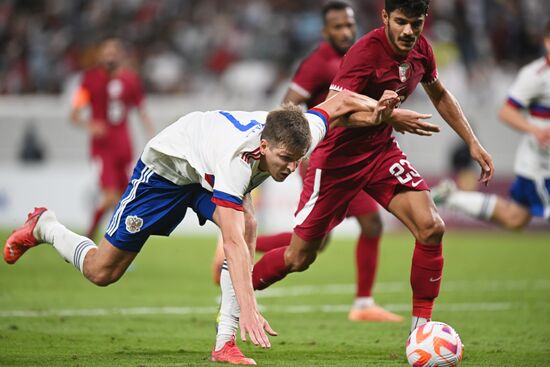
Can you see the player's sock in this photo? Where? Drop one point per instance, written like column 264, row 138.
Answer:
column 418, row 321
column 427, row 268
column 229, row 310
column 363, row 302
column 270, row 268
column 474, row 204
column 98, row 214
column 366, row 258
column 270, row 242
column 71, row 246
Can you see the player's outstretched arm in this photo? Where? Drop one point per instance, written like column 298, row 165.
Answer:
column 515, row 119
column 361, row 111
column 448, row 107
column 252, row 323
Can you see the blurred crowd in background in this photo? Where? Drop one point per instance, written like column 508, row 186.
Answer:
column 179, row 45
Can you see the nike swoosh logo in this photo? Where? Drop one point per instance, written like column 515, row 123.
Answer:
column 11, row 250
column 435, row 279
column 414, row 184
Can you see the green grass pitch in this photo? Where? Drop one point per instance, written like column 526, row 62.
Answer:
column 495, row 293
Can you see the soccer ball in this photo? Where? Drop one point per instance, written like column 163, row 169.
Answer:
column 434, row 344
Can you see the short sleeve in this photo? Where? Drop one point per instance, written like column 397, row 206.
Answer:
column 231, row 179
column 355, row 70
column 318, row 124
column 430, row 74
column 524, row 90
column 306, row 79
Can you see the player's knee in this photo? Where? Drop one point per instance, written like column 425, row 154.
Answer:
column 373, row 226
column 515, row 223
column 432, row 231
column 300, row 261
column 103, row 278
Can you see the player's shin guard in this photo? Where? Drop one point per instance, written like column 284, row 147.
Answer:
column 271, row 242
column 270, row 269
column 427, row 268
column 366, row 257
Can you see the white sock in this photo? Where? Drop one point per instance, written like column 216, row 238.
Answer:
column 71, row 246
column 474, row 204
column 363, row 302
column 229, row 310
column 418, row 321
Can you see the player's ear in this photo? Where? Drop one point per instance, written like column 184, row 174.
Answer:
column 385, row 17
column 264, row 144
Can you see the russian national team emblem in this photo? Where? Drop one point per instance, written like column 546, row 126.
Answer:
column 404, row 72
column 133, row 223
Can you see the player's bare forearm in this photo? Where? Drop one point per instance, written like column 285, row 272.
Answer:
column 515, row 119
column 232, row 226
column 450, row 110
column 448, row 107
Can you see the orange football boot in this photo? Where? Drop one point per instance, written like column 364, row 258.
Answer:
column 373, row 314
column 22, row 238
column 231, row 354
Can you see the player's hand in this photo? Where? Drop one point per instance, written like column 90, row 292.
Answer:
column 384, row 107
column 97, row 128
column 254, row 325
column 407, row 121
column 480, row 155
column 543, row 137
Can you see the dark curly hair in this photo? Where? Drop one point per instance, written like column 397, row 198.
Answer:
column 411, row 8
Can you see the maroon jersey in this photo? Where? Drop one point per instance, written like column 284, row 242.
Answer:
column 369, row 68
column 315, row 73
column 111, row 98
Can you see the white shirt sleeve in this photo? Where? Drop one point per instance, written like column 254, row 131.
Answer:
column 318, row 125
column 231, row 179
column 526, row 88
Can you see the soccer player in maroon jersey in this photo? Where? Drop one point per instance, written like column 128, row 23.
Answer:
column 110, row 90
column 310, row 86
column 394, row 57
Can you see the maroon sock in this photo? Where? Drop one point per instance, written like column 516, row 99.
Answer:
column 270, row 268
column 366, row 261
column 270, row 242
column 98, row 214
column 427, row 268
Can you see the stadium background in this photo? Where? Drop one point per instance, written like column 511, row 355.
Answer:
column 201, row 55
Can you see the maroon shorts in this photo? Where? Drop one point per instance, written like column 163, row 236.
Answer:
column 362, row 204
column 328, row 193
column 113, row 171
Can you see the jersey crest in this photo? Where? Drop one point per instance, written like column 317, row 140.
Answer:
column 133, row 223
column 404, row 72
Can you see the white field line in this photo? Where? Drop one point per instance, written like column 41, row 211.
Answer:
column 398, row 287
column 140, row 311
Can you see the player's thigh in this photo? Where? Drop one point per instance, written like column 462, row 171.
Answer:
column 324, row 200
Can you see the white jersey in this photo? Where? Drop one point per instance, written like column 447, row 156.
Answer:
column 220, row 150
column 531, row 91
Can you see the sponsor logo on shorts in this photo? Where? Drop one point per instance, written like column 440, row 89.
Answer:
column 414, row 184
column 133, row 223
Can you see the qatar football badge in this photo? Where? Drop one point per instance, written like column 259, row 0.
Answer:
column 133, row 223
column 404, row 70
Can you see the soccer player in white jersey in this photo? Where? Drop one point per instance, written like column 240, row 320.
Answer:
column 209, row 162
column 530, row 193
